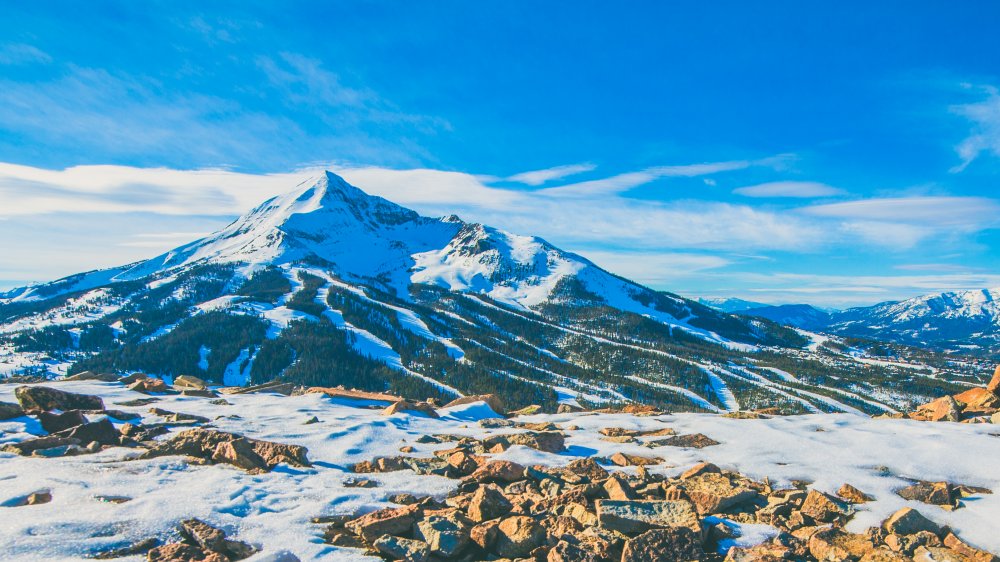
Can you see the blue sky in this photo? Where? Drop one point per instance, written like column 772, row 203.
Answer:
column 834, row 153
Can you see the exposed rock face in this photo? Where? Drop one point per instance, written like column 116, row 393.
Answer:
column 994, row 384
column 45, row 398
column 942, row 409
column 218, row 446
column 673, row 543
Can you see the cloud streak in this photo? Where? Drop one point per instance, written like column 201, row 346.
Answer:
column 984, row 135
column 794, row 189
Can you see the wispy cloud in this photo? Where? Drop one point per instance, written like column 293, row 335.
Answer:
column 801, row 189
column 538, row 177
column 22, row 53
column 984, row 136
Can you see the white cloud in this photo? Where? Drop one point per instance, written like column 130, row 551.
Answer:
column 538, row 177
column 984, row 116
column 804, row 189
column 20, row 53
column 660, row 269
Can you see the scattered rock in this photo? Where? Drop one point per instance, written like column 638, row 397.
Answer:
column 622, row 459
column 853, row 495
column 909, row 521
column 33, row 398
column 713, row 492
column 218, row 446
column 694, row 440
column 212, row 539
column 672, row 543
column 633, row 517
column 825, row 509
column 517, row 536
column 446, row 535
column 933, row 493
column 488, row 502
column 397, row 548
column 391, row 521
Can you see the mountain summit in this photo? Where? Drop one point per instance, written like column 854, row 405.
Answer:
column 327, row 285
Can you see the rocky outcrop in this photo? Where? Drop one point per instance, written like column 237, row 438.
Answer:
column 979, row 404
column 212, row 446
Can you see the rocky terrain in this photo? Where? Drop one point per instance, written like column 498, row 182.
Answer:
column 134, row 468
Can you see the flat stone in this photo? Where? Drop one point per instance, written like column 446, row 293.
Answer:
column 633, row 517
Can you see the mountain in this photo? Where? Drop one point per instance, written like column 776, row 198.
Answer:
column 961, row 319
column 730, row 304
column 802, row 316
column 327, row 285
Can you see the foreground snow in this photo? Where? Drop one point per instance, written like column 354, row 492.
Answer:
column 273, row 510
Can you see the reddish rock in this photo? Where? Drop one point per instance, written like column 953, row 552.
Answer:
column 656, row 545
column 942, row 409
column 699, row 469
column 488, row 502
column 391, row 521
column 205, row 444
column 34, row 398
column 498, row 472
column 994, row 384
column 823, row 508
column 909, row 521
column 853, row 495
column 492, row 400
column 622, row 459
column 517, row 536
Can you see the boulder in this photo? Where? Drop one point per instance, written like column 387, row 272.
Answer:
column 937, row 554
column 407, row 406
column 446, row 534
column 9, row 411
column 38, row 445
column 942, row 409
column 932, row 493
column 834, row 544
column 672, row 543
column 587, row 468
column 623, row 459
column 488, row 502
column 212, row 539
column 54, row 423
column 853, row 495
column 699, row 469
column 389, row 521
column 517, row 536
column 492, row 400
column 92, row 376
column 694, row 441
column 398, row 548
column 191, row 382
column 978, row 399
column 969, row 552
column 565, row 551
column 33, row 398
column 713, row 492
column 149, row 384
column 619, row 489
column 825, row 509
column 205, row 444
column 180, row 552
column 633, row 517
column 498, row 472
column 103, row 432
column 909, row 521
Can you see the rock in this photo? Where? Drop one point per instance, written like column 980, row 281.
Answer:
column 498, row 472
column 34, row 498
column 567, row 552
column 694, row 440
column 492, row 400
column 204, row 444
column 547, row 441
column 33, row 398
column 352, row 394
column 178, row 417
column 389, row 521
column 488, row 502
column 909, row 521
column 618, row 432
column 38, row 445
column 699, row 469
column 883, row 554
column 970, row 552
column 568, row 409
column 655, row 545
column 133, row 549
column 9, row 411
column 978, row 400
column 517, row 536
column 446, row 535
column 485, row 534
column 853, row 495
column 622, row 459
column 715, row 492
column 824, row 509
column 937, row 554
column 407, row 406
column 496, row 423
column 92, row 376
column 587, row 468
column 102, row 431
column 188, row 381
column 360, row 483
column 180, row 552
column 54, row 423
column 398, row 548
column 149, row 384
column 633, row 517
column 834, row 544
column 199, row 393
column 933, row 493
column 526, row 411
column 994, row 384
column 618, row 489
column 942, row 409
column 212, row 539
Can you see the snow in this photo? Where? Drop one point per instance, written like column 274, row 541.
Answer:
column 237, row 373
column 92, row 305
column 694, row 397
column 203, row 353
column 721, row 390
column 273, row 510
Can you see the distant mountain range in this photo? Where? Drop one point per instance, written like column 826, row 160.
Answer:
column 327, row 285
column 950, row 320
